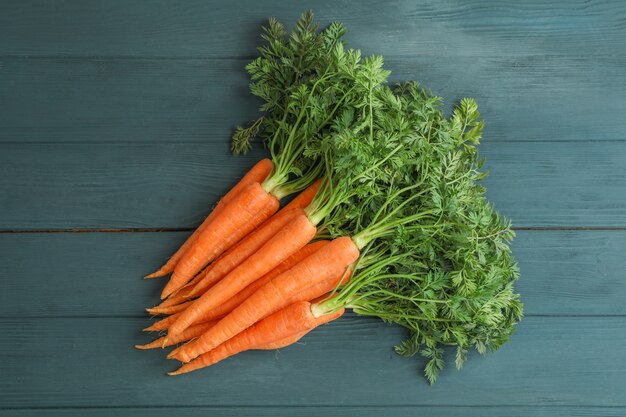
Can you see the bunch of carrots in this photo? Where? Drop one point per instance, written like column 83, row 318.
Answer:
column 387, row 219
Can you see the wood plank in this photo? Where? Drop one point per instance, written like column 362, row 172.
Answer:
column 563, row 273
column 213, row 28
column 526, row 98
column 572, row 272
column 86, row 362
column 554, row 411
column 76, row 100
column 558, row 184
column 114, row 185
column 171, row 185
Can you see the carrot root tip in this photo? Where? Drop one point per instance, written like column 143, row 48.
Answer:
column 167, row 292
column 156, row 274
column 174, row 356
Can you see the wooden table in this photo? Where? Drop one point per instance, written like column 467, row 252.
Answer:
column 114, row 126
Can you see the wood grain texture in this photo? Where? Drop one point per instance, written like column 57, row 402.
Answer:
column 98, row 100
column 558, row 184
column 216, row 29
column 572, row 272
column 117, row 115
column 335, row 411
column 82, row 362
column 521, row 98
column 57, row 274
column 116, row 185
column 172, row 185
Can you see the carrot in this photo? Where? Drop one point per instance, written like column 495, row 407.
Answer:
column 327, row 262
column 285, row 243
column 185, row 290
column 321, row 288
column 279, row 344
column 229, row 305
column 312, row 293
column 305, row 197
column 258, row 173
column 251, row 243
column 177, row 308
column 189, row 333
column 240, row 216
column 173, row 300
column 286, row 323
column 290, row 340
column 162, row 324
column 197, row 329
column 182, row 295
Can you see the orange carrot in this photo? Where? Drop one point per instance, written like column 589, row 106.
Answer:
column 185, row 290
column 162, row 324
column 303, row 199
column 295, row 235
column 251, row 207
column 251, row 243
column 321, row 288
column 327, row 262
column 279, row 344
column 173, row 300
column 229, row 305
column 290, row 340
column 292, row 320
column 309, row 294
column 258, row 173
column 314, row 292
column 177, row 308
column 189, row 333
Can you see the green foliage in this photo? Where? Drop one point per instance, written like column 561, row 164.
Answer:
column 240, row 143
column 300, row 78
column 400, row 178
column 446, row 275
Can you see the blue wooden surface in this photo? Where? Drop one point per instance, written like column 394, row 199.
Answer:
column 116, row 115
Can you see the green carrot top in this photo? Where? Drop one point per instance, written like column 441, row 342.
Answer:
column 304, row 79
column 435, row 255
column 400, row 178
